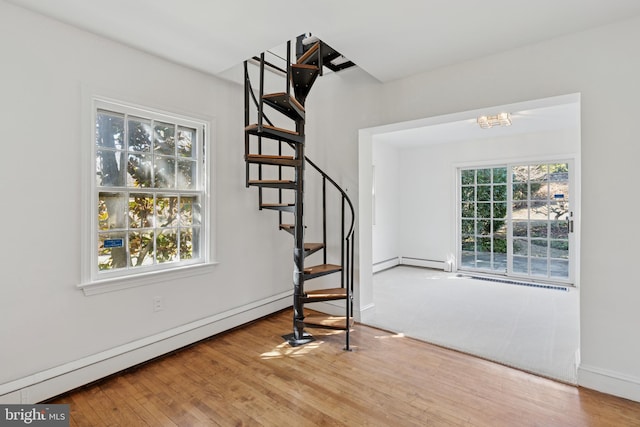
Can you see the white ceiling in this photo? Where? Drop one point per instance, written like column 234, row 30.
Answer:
column 389, row 40
column 534, row 116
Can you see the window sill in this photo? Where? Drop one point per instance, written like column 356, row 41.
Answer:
column 120, row 283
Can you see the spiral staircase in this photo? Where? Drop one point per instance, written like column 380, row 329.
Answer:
column 277, row 166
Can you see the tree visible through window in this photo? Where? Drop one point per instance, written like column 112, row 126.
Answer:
column 517, row 220
column 483, row 218
column 150, row 190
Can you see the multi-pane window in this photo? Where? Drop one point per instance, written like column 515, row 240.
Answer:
column 541, row 218
column 517, row 220
column 150, row 191
column 483, row 218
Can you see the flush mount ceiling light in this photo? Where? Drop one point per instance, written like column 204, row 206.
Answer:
column 502, row 119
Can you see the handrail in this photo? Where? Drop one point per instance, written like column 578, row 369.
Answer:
column 347, row 246
column 251, row 92
column 344, row 194
column 270, row 65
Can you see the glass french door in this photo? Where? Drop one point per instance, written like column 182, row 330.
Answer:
column 517, row 220
column 483, row 222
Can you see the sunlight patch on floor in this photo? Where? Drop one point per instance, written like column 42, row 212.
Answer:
column 398, row 335
column 285, row 350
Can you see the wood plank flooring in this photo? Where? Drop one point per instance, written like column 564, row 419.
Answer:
column 248, row 376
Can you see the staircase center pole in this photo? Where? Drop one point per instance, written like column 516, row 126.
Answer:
column 298, row 234
column 298, row 250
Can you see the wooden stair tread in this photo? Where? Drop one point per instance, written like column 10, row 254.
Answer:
column 269, row 156
column 282, row 97
column 255, row 126
column 312, row 56
column 302, row 77
column 313, row 246
column 309, row 67
column 309, row 53
column 273, row 132
column 272, row 160
column 322, row 269
column 328, row 293
column 271, row 181
column 285, row 104
column 283, row 207
column 331, row 322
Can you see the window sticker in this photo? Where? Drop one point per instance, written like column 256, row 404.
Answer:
column 114, row 243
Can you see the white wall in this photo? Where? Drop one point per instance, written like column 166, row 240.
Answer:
column 602, row 66
column 47, row 325
column 389, row 189
column 43, row 72
column 338, row 106
column 428, row 176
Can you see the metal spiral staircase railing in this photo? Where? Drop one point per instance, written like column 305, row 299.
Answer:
column 275, row 164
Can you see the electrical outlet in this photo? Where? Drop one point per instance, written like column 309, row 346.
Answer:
column 158, row 304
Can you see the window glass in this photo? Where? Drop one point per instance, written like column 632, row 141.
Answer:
column 149, row 186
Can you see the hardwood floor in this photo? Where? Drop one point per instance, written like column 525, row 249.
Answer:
column 248, row 376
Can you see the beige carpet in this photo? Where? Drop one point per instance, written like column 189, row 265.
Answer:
column 530, row 328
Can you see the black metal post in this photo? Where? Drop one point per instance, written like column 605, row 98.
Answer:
column 320, row 59
column 247, row 88
column 261, row 99
column 299, row 337
column 343, row 246
column 288, row 68
column 324, row 218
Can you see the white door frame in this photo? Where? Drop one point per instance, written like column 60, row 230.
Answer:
column 363, row 295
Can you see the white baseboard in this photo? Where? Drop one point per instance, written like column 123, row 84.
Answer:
column 385, row 265
column 609, row 382
column 414, row 262
column 52, row 382
column 427, row 263
column 366, row 314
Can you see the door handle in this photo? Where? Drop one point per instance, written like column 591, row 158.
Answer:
column 570, row 222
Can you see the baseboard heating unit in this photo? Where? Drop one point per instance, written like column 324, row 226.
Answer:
column 515, row 282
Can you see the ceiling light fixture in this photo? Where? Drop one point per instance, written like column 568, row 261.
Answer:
column 502, row 119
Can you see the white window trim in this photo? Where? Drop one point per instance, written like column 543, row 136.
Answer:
column 91, row 282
